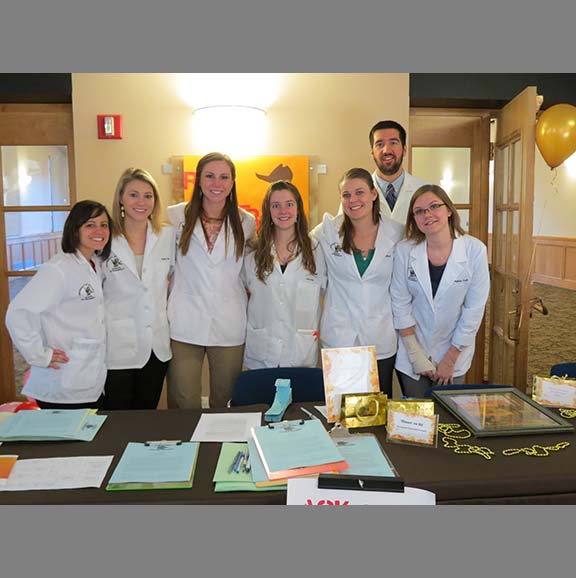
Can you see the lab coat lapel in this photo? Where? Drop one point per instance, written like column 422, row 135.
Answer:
column 122, row 250
column 419, row 264
column 383, row 245
column 151, row 240
column 454, row 266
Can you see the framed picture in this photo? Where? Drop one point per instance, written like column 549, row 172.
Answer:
column 500, row 412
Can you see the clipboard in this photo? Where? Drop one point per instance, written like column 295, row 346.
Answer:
column 295, row 448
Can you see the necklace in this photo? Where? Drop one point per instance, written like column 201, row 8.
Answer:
column 453, row 432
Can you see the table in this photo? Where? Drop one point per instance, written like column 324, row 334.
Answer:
column 455, row 479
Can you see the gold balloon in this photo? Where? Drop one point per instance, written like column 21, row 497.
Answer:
column 556, row 134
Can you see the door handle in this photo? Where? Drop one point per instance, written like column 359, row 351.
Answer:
column 536, row 304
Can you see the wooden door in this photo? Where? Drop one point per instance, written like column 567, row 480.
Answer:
column 512, row 251
column 451, row 147
column 37, row 191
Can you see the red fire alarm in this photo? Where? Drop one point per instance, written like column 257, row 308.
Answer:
column 109, row 126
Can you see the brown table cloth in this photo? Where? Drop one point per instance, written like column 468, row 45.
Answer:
column 454, row 478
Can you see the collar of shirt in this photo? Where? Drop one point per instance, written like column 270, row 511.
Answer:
column 383, row 184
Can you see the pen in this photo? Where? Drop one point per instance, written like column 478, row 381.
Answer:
column 240, row 463
column 309, row 413
column 232, row 467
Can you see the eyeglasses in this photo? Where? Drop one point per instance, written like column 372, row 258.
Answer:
column 433, row 208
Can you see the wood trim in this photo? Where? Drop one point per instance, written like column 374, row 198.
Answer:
column 28, row 125
column 555, row 261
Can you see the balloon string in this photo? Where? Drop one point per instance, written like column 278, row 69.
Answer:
column 533, row 255
column 554, row 193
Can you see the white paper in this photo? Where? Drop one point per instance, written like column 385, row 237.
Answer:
column 58, row 473
column 322, row 409
column 416, row 428
column 558, row 394
column 225, row 427
column 305, row 492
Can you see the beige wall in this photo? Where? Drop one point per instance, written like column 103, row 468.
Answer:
column 324, row 116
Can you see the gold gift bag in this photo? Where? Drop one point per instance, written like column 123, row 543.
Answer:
column 364, row 409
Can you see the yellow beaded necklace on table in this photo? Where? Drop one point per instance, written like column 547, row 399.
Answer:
column 453, row 432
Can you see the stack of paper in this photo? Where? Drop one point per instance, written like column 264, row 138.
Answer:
column 58, row 473
column 52, row 425
column 155, row 465
column 229, row 478
column 297, row 448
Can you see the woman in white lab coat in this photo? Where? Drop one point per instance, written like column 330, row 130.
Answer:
column 358, row 248
column 135, row 294
column 284, row 281
column 207, row 303
column 57, row 320
column 439, row 290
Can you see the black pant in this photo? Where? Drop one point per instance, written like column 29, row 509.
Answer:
column 385, row 369
column 135, row 388
column 98, row 404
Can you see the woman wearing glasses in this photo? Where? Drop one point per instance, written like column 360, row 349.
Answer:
column 439, row 290
column 358, row 247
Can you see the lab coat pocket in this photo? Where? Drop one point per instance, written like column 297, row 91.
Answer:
column 256, row 347
column 84, row 375
column 306, row 348
column 121, row 340
column 307, row 304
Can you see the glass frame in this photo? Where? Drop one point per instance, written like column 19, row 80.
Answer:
column 519, row 415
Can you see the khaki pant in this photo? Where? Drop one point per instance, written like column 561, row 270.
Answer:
column 184, row 376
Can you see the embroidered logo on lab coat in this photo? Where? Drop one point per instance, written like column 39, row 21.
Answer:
column 114, row 264
column 336, row 249
column 86, row 292
column 411, row 274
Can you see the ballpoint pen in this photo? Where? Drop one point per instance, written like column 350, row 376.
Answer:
column 234, row 462
column 309, row 413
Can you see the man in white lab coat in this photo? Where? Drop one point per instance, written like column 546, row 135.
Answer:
column 394, row 185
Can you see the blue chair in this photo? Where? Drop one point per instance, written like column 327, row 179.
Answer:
column 562, row 369
column 428, row 392
column 258, row 385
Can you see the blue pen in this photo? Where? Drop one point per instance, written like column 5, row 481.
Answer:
column 240, row 462
column 232, row 467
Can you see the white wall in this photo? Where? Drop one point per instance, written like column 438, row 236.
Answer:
column 555, row 198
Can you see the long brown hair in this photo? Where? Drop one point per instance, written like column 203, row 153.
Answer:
column 412, row 230
column 135, row 174
column 263, row 243
column 193, row 209
column 347, row 227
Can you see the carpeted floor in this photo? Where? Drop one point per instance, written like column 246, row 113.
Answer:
column 552, row 338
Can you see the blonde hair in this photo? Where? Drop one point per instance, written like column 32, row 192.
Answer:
column 135, row 174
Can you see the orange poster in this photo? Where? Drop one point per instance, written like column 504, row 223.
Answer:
column 253, row 177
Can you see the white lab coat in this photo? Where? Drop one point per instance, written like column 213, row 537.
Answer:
column 62, row 307
column 454, row 315
column 357, row 310
column 136, row 309
column 283, row 314
column 207, row 303
column 409, row 187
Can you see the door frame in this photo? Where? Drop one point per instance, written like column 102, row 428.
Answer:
column 516, row 123
column 470, row 128
column 21, row 125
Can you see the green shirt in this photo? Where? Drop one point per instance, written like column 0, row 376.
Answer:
column 363, row 262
